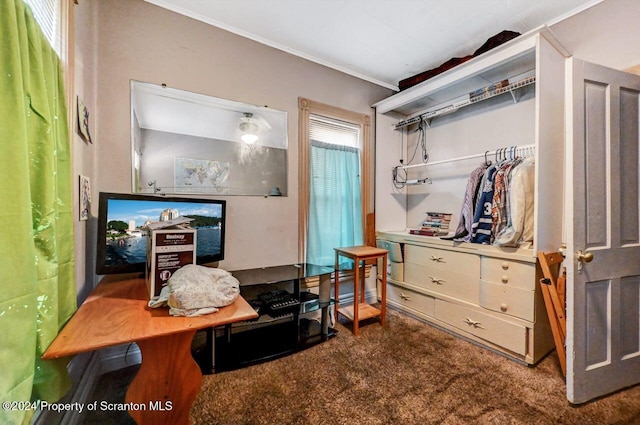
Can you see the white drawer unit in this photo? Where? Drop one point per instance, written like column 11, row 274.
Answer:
column 395, row 271
column 441, row 259
column 513, row 273
column 504, row 333
column 412, row 300
column 484, row 293
column 457, row 282
column 394, row 248
column 395, row 263
column 450, row 273
column 508, row 300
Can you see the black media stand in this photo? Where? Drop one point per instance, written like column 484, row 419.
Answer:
column 293, row 316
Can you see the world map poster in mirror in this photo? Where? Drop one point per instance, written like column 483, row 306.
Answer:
column 189, row 143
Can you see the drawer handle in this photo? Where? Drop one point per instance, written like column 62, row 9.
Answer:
column 473, row 323
column 504, row 307
column 505, row 265
column 436, row 281
column 404, row 296
column 505, row 278
column 437, row 259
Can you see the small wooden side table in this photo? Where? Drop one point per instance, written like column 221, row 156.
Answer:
column 360, row 310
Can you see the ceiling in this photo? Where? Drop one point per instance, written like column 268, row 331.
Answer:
column 381, row 41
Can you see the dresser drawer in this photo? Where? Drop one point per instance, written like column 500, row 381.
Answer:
column 457, row 282
column 395, row 270
column 501, row 332
column 442, row 259
column 411, row 299
column 508, row 300
column 394, row 248
column 513, row 273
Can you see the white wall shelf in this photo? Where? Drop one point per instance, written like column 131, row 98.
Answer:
column 514, row 57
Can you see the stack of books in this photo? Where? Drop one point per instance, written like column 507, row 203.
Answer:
column 435, row 224
column 488, row 91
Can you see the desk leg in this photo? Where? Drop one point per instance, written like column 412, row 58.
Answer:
column 325, row 299
column 362, row 280
column 356, row 296
column 167, row 382
column 336, row 287
column 383, row 296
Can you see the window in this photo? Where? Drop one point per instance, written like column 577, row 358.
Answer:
column 334, row 177
column 47, row 14
column 55, row 18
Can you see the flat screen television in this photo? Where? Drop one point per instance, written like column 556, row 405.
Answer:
column 122, row 240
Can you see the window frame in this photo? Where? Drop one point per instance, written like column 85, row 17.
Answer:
column 67, row 57
column 307, row 107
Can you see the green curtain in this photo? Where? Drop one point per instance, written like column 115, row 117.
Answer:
column 37, row 289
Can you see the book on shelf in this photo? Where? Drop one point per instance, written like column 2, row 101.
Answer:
column 437, row 220
column 436, row 224
column 493, row 88
column 441, row 215
column 427, row 232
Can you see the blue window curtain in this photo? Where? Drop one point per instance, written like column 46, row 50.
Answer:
column 37, row 288
column 335, row 201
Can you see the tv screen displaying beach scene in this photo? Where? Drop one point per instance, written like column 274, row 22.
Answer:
column 123, row 220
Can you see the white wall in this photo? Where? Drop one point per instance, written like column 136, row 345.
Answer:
column 606, row 34
column 390, row 149
column 140, row 41
column 84, row 154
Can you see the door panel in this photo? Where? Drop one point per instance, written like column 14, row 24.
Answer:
column 629, row 112
column 603, row 299
column 595, row 150
column 630, row 288
column 598, row 308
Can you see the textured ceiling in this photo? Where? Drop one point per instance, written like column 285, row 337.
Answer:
column 382, row 41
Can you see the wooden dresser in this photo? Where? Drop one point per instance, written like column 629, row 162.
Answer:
column 486, row 294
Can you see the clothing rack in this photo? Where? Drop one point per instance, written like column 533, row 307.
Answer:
column 501, row 153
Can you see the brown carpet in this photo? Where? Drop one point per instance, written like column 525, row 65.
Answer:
column 406, row 373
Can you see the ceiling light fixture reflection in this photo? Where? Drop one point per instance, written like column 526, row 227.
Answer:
column 248, row 128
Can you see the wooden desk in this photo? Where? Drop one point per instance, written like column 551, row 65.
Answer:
column 361, row 310
column 116, row 312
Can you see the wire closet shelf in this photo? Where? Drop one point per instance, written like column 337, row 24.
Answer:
column 476, row 96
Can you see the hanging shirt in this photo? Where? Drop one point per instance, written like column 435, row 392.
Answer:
column 500, row 207
column 463, row 231
column 521, row 197
column 482, row 220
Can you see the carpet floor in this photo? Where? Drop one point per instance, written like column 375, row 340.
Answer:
column 405, row 373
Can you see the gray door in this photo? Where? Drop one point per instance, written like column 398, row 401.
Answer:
column 603, row 232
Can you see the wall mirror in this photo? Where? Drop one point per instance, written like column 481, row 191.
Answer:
column 189, row 143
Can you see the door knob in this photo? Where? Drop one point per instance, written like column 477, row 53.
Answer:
column 587, row 257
